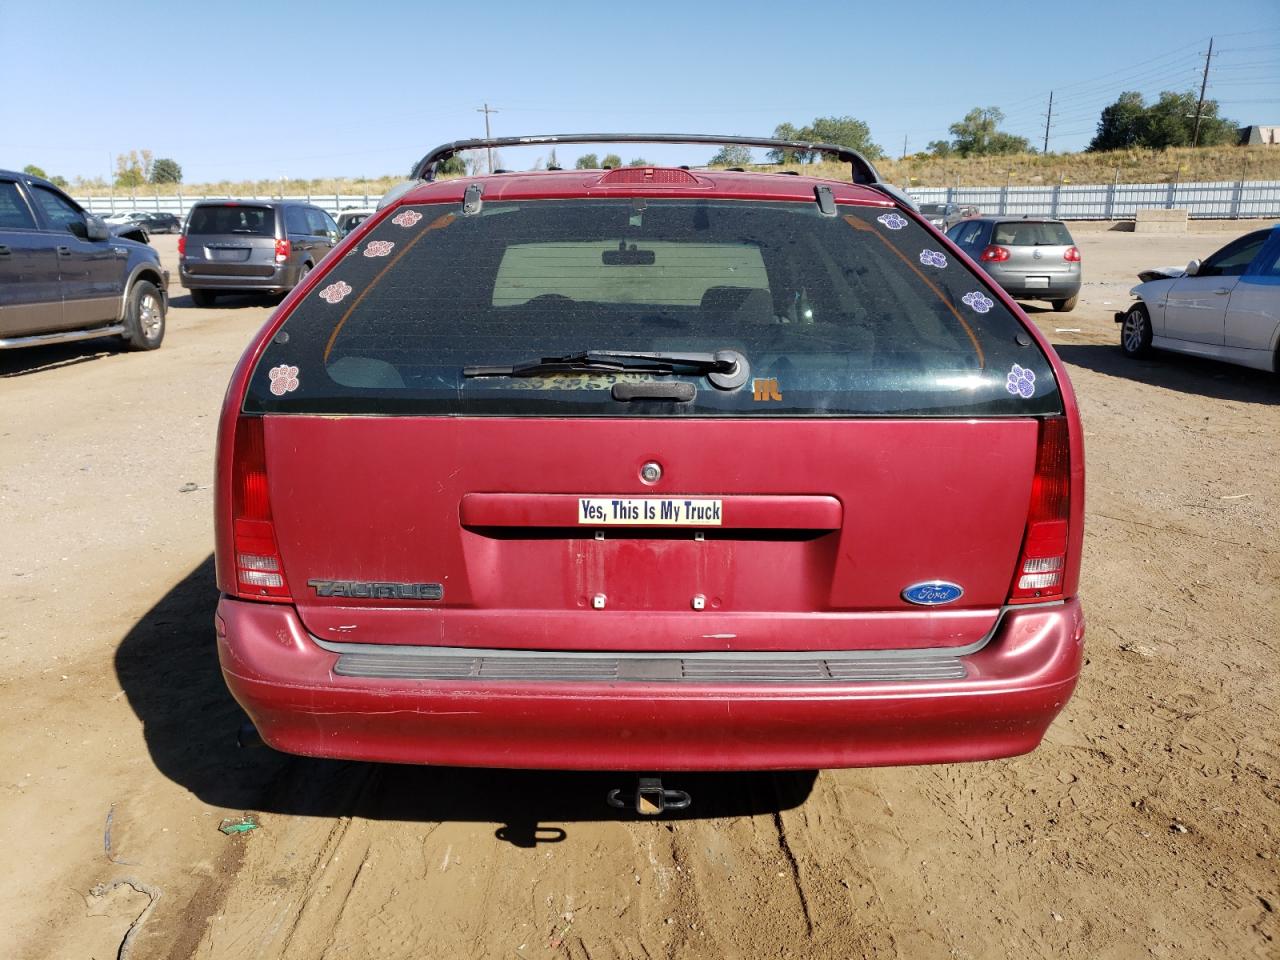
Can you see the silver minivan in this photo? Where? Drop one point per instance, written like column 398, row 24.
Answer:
column 252, row 246
column 1030, row 257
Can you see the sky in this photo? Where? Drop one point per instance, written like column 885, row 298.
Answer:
column 263, row 90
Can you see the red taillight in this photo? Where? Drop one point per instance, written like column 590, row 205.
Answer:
column 182, row 245
column 1072, row 255
column 994, row 254
column 259, row 572
column 1042, row 564
column 283, row 247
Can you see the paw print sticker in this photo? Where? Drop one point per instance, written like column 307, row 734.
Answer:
column 407, row 218
column 284, row 379
column 378, row 248
column 334, row 292
column 1021, row 382
column 892, row 221
column 933, row 258
column 980, row 302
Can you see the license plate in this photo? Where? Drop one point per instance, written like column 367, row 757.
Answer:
column 650, row 512
column 1037, row 282
column 233, row 254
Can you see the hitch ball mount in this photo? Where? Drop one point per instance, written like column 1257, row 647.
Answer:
column 650, row 799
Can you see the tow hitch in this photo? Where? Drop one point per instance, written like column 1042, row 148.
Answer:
column 650, row 799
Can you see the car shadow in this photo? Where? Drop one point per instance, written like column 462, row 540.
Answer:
column 230, row 301
column 1176, row 371
column 22, row 361
column 168, row 669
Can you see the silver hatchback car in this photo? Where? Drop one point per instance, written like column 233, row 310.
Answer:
column 233, row 246
column 1033, row 259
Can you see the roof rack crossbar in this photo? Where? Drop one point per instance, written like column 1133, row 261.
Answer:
column 863, row 170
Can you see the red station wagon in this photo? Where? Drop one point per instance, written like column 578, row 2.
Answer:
column 649, row 469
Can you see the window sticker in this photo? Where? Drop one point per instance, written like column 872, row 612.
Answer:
column 406, row 218
column 980, row 302
column 335, row 292
column 1021, row 382
column 378, row 248
column 933, row 258
column 284, row 379
column 892, row 220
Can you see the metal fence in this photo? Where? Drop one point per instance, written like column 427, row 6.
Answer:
column 1103, row 201
column 1116, row 201
column 335, row 203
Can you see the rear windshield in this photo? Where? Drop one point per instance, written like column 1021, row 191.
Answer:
column 858, row 314
column 1032, row 233
column 233, row 218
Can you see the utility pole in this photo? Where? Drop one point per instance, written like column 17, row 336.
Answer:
column 1204, row 82
column 904, row 146
column 1048, row 119
column 486, row 110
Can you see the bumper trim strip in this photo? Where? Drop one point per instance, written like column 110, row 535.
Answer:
column 597, row 668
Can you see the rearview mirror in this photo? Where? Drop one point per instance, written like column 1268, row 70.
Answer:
column 95, row 229
column 1193, row 268
column 626, row 256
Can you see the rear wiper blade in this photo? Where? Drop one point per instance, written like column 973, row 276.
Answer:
column 726, row 369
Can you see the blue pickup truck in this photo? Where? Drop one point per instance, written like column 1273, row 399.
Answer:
column 64, row 276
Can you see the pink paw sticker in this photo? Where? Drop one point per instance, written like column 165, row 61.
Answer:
column 378, row 248
column 284, row 379
column 335, row 291
column 406, row 219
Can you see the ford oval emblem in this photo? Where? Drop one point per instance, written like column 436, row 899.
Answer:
column 933, row 593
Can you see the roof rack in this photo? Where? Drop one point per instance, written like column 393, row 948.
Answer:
column 863, row 170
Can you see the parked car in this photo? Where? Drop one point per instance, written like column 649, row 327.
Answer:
column 1226, row 307
column 251, row 246
column 1031, row 258
column 649, row 469
column 129, row 231
column 125, row 216
column 946, row 215
column 161, row 223
column 64, row 276
column 348, row 220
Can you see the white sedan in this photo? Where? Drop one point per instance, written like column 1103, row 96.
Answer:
column 1226, row 307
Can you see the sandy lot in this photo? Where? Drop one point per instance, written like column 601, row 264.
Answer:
column 1148, row 824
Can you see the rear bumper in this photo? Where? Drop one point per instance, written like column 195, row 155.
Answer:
column 1012, row 689
column 281, row 278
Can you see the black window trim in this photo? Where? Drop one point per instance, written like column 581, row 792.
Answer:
column 19, row 187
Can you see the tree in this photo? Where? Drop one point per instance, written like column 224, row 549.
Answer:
column 638, row 162
column 841, row 131
column 165, row 170
column 588, row 161
column 1169, row 122
column 1120, row 125
column 732, row 155
column 940, row 148
column 453, row 166
column 552, row 162
column 979, row 135
column 612, row 161
column 133, row 169
column 785, row 131
column 34, row 171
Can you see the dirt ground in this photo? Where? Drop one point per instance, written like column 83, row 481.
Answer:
column 1148, row 824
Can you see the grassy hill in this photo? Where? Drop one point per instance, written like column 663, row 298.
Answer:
column 1123, row 166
